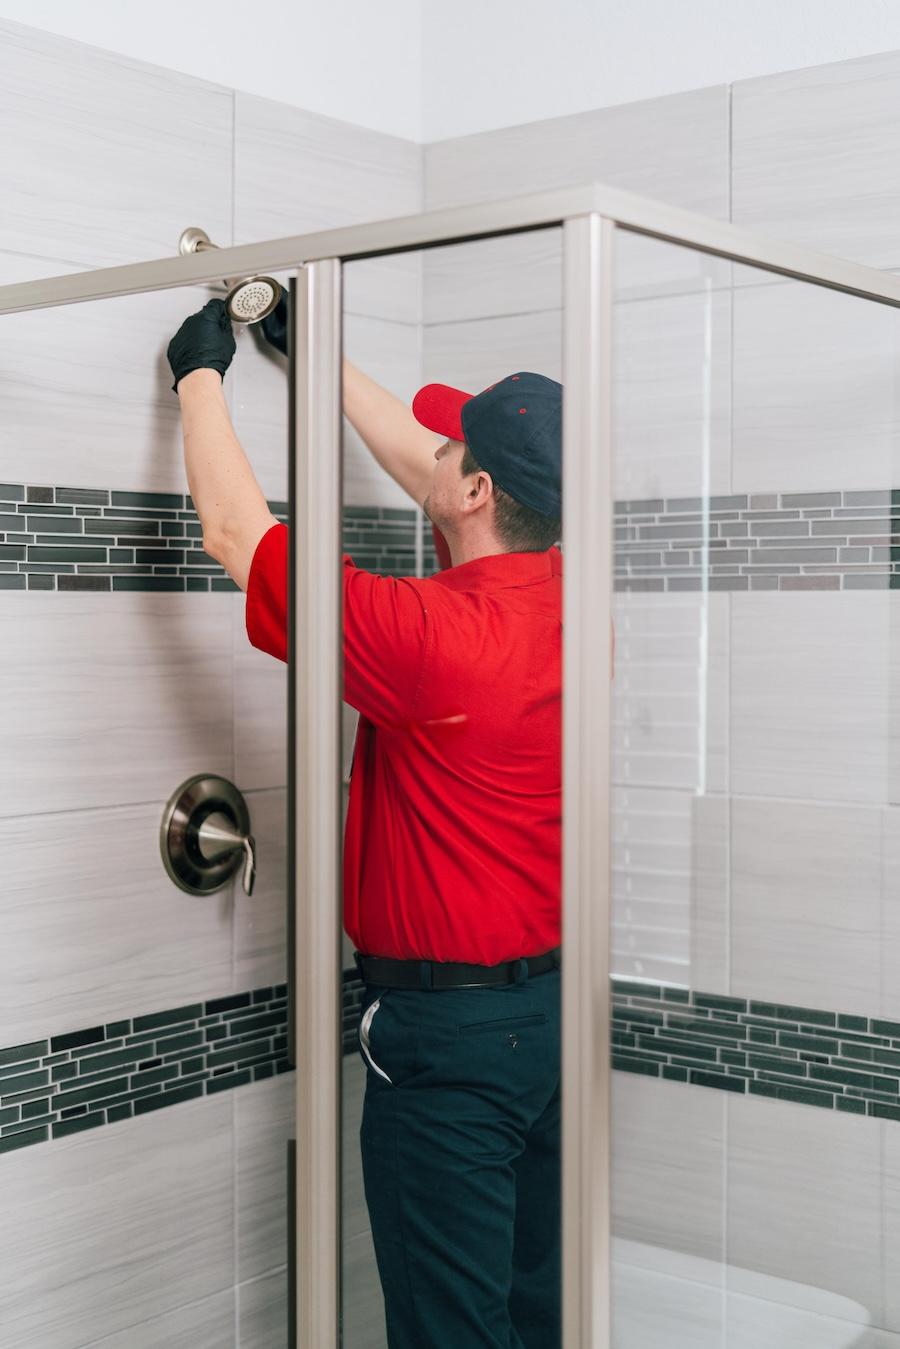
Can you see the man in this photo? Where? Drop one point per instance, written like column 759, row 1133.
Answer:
column 452, row 850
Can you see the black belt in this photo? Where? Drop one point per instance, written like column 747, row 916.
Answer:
column 450, row 973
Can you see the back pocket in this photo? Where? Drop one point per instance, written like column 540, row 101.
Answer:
column 501, row 1023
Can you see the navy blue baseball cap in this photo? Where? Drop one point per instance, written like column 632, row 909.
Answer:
column 513, row 428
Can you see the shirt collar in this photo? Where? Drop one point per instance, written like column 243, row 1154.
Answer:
column 500, row 571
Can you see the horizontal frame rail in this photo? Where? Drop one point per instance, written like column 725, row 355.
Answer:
column 460, row 224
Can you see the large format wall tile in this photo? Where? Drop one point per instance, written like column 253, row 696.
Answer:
column 262, row 1311
column 815, row 157
column 105, row 160
column 810, row 696
column 87, row 388
column 113, row 699
column 668, row 1145
column 710, row 879
column 806, row 903
column 472, row 355
column 515, row 274
column 672, row 396
column 804, row 1202
column 674, row 149
column 104, row 1230
column 670, row 691
column 890, row 1140
column 208, row 1324
column 297, row 172
column 260, row 935
column 263, row 1122
column 815, row 403
column 651, row 868
column 94, row 929
column 890, row 898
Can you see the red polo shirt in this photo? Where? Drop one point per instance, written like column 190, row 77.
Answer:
column 454, row 829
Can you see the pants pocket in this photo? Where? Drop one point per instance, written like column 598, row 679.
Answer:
column 365, row 1027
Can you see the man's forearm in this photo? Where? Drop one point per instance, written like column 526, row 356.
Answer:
column 221, row 482
column 401, row 445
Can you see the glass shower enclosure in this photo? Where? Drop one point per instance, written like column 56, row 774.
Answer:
column 727, row 858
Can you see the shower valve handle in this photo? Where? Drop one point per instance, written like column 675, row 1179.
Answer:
column 249, row 864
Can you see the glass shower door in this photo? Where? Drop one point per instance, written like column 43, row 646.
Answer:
column 756, row 1040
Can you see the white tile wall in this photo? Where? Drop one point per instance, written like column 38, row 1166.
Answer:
column 810, row 706
column 113, row 699
column 674, row 149
column 671, row 691
column 262, row 1311
column 814, row 156
column 87, row 388
column 207, row 1324
column 93, row 928
column 890, row 914
column 803, row 1201
column 131, row 1234
column 263, row 1122
column 260, row 919
column 104, row 159
column 668, row 1177
column 815, row 391
column 890, row 1142
column 672, row 396
column 710, row 881
column 806, row 903
column 106, row 1229
column 298, row 172
column 651, row 935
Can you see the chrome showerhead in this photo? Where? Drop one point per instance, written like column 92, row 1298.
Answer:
column 252, row 299
column 249, row 298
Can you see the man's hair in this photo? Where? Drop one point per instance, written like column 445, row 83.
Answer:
column 519, row 528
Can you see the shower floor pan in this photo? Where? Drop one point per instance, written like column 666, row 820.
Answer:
column 665, row 1300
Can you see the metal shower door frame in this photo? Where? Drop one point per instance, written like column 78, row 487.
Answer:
column 590, row 217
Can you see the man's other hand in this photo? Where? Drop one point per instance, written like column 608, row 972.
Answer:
column 275, row 325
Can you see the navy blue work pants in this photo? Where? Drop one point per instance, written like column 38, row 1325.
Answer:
column 461, row 1162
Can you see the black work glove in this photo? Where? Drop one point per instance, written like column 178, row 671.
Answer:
column 275, row 325
column 204, row 341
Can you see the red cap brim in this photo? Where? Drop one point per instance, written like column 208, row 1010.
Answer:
column 439, row 407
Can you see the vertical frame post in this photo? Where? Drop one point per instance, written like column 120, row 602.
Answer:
column 314, row 814
column 587, row 615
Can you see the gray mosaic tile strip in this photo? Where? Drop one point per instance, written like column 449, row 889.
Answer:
column 87, row 1078
column 841, row 1062
column 90, row 539
column 772, row 541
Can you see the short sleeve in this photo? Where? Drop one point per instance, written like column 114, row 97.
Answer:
column 266, row 609
column 385, row 629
